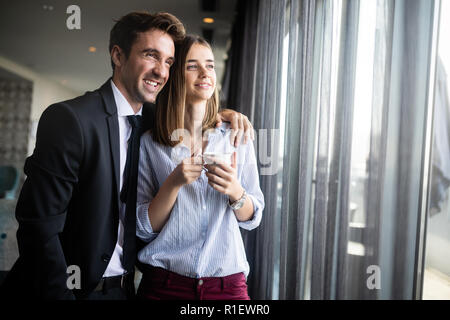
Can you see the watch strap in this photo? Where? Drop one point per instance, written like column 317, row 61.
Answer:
column 239, row 203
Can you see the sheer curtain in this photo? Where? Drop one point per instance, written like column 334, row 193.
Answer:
column 253, row 84
column 338, row 93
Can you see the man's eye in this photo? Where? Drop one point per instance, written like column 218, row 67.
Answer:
column 210, row 66
column 151, row 55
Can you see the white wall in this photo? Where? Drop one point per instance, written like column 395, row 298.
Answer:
column 45, row 93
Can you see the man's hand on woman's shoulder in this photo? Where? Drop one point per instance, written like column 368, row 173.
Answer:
column 240, row 126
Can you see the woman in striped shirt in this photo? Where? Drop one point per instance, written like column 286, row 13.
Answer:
column 195, row 189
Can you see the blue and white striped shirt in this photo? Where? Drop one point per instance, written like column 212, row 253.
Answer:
column 201, row 238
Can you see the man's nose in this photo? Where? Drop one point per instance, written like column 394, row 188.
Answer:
column 160, row 70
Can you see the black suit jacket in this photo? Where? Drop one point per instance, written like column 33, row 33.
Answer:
column 68, row 209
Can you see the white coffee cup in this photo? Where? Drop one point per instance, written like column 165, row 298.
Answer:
column 213, row 157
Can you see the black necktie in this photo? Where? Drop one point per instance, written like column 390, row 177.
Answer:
column 128, row 193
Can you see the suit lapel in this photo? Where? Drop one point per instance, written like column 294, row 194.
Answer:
column 113, row 126
column 113, row 130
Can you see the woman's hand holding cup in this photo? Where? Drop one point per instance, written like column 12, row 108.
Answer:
column 223, row 177
column 187, row 171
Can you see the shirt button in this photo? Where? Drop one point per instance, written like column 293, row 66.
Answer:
column 200, row 282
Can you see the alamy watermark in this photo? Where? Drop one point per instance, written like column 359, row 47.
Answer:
column 267, row 146
column 374, row 280
column 74, row 279
column 73, row 21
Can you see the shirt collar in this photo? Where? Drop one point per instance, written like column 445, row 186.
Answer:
column 123, row 107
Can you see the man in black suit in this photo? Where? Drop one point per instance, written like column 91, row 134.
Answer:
column 70, row 211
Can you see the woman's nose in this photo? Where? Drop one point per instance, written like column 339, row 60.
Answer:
column 203, row 72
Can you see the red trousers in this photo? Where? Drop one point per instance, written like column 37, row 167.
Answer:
column 161, row 284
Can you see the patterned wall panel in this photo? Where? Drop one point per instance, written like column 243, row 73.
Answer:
column 9, row 251
column 15, row 109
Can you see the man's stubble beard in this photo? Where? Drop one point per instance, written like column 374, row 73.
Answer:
column 140, row 97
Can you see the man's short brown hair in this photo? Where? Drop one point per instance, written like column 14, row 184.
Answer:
column 126, row 30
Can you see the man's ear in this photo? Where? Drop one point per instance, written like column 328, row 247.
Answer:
column 117, row 56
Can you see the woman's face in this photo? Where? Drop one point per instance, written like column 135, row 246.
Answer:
column 200, row 74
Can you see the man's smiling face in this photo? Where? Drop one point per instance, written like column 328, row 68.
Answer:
column 146, row 70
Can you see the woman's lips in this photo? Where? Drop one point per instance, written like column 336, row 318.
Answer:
column 203, row 85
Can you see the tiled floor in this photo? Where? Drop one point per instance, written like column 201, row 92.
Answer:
column 436, row 285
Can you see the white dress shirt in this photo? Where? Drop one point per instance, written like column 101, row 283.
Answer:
column 124, row 109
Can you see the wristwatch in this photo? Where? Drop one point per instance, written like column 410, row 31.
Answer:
column 239, row 203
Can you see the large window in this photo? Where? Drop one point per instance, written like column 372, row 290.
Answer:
column 437, row 251
column 347, row 86
column 364, row 138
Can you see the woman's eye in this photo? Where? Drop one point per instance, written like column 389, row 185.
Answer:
column 191, row 67
column 210, row 66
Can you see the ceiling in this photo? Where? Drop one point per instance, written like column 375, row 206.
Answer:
column 34, row 33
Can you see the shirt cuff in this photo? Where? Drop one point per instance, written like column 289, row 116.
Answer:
column 144, row 228
column 257, row 215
